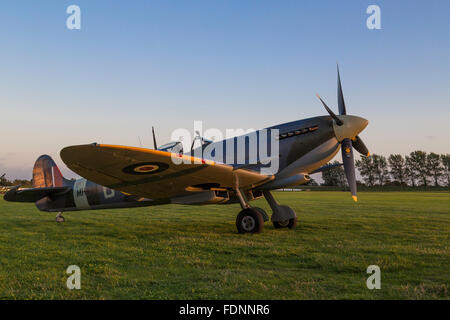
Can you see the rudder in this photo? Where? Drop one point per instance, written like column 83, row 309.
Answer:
column 46, row 173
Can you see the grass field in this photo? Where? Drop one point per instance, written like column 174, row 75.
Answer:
column 185, row 252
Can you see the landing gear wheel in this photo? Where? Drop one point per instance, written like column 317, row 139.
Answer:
column 59, row 218
column 263, row 212
column 291, row 223
column 250, row 221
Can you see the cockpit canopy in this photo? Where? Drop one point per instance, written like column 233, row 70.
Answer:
column 173, row 146
column 177, row 146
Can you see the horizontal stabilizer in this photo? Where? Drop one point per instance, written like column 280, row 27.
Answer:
column 32, row 194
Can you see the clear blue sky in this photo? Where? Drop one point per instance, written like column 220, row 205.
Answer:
column 232, row 64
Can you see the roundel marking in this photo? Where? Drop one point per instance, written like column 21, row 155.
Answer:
column 145, row 168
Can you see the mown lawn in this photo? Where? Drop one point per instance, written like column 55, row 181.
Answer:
column 186, row 252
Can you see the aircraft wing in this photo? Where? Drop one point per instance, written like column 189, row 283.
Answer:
column 32, row 194
column 153, row 173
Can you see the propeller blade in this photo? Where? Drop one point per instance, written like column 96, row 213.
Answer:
column 341, row 102
column 349, row 166
column 331, row 113
column 359, row 146
column 155, row 146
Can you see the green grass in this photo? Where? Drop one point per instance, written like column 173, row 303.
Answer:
column 187, row 252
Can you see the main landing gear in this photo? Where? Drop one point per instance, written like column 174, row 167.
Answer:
column 59, row 217
column 251, row 219
column 283, row 216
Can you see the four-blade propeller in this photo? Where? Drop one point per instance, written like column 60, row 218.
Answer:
column 348, row 143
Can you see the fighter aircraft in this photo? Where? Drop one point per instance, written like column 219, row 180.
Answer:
column 123, row 177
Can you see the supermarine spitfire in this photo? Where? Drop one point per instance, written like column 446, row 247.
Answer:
column 125, row 177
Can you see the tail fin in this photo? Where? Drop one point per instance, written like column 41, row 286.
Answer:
column 46, row 173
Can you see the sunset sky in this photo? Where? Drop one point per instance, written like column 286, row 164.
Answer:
column 231, row 64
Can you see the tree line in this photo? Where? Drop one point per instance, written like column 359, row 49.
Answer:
column 416, row 169
column 4, row 182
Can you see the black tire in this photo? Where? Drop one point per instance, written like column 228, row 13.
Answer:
column 263, row 212
column 291, row 223
column 249, row 221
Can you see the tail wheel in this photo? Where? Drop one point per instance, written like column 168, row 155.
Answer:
column 59, row 218
column 291, row 223
column 250, row 221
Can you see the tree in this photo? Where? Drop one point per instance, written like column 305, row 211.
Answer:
column 445, row 158
column 398, row 168
column 366, row 169
column 418, row 165
column 409, row 171
column 380, row 168
column 340, row 173
column 312, row 182
column 4, row 181
column 334, row 176
column 329, row 179
column 24, row 183
column 434, row 167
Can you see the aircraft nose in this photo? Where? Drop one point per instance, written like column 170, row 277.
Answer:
column 352, row 126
